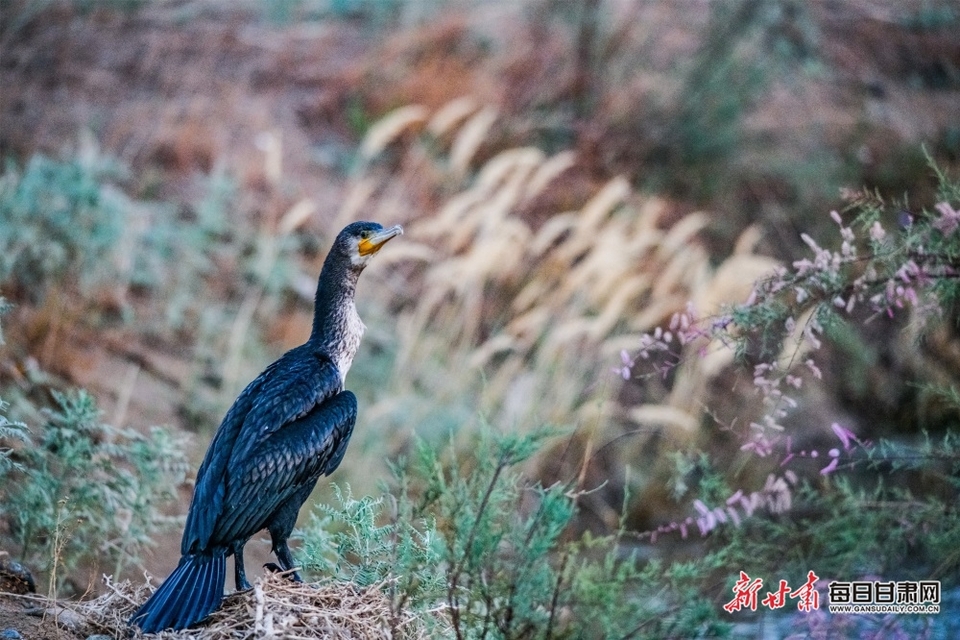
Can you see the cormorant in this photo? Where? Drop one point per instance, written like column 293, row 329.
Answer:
column 287, row 428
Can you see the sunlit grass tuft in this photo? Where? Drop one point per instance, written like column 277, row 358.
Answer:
column 519, row 319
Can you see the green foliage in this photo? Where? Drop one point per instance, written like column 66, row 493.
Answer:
column 852, row 509
column 932, row 15
column 490, row 549
column 350, row 542
column 718, row 90
column 500, row 577
column 87, row 492
column 57, row 221
column 375, row 13
column 845, row 530
column 743, row 50
column 910, row 267
column 121, row 6
column 913, row 265
column 61, row 223
column 10, row 431
column 4, row 307
column 176, row 251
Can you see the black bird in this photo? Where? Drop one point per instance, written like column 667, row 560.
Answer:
column 289, row 426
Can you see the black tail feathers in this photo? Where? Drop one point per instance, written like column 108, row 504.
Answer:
column 191, row 593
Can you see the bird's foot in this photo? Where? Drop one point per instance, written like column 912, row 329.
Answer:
column 293, row 574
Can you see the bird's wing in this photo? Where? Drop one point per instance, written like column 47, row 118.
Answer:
column 292, row 387
column 295, row 456
column 286, row 390
column 207, row 502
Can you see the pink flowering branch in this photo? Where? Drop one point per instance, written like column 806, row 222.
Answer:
column 870, row 268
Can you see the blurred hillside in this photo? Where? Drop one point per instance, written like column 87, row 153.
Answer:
column 570, row 174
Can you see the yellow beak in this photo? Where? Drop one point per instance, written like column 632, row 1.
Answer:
column 373, row 244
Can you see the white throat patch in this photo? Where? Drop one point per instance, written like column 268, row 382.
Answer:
column 356, row 259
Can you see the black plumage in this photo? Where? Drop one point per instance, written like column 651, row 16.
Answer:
column 290, row 426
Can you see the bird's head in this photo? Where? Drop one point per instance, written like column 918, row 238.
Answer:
column 359, row 241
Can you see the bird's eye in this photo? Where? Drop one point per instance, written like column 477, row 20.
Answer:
column 365, row 234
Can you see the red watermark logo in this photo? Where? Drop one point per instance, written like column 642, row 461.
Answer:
column 746, row 589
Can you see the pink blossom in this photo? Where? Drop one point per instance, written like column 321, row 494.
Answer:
column 810, row 242
column 750, row 504
column 949, row 218
column 802, row 266
column 911, row 295
column 702, row 525
column 734, row 516
column 846, row 436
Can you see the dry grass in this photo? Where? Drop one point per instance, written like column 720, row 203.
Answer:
column 519, row 316
column 274, row 608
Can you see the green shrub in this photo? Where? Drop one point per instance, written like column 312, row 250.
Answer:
column 483, row 551
column 57, row 221
column 838, row 503
column 10, row 431
column 86, row 492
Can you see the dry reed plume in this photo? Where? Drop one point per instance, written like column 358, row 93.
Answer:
column 540, row 311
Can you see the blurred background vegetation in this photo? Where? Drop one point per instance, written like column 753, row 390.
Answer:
column 570, row 174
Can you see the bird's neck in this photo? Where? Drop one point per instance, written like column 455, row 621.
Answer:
column 336, row 325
